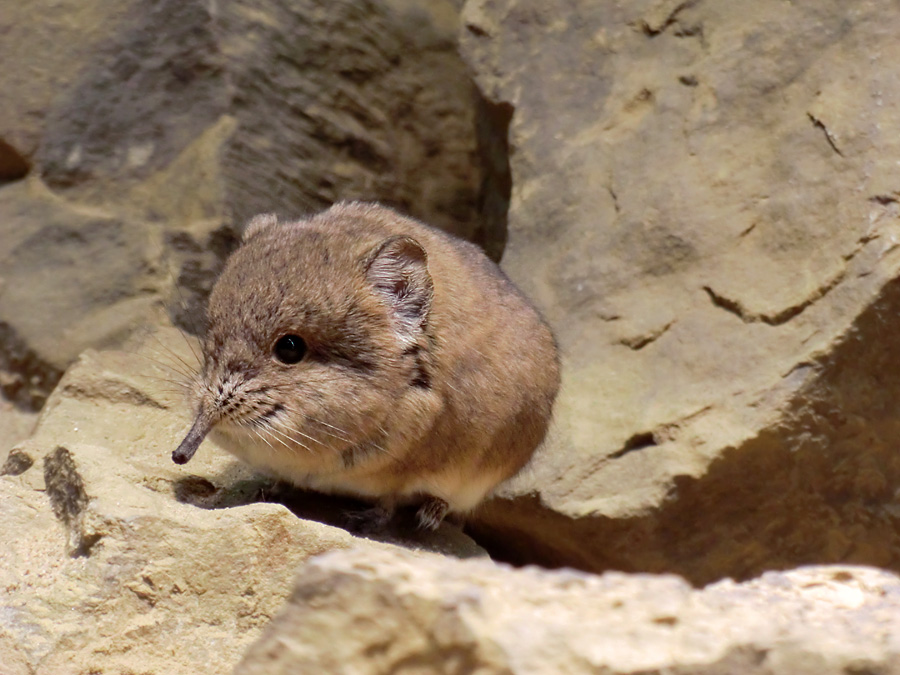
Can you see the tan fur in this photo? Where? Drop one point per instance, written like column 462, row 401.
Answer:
column 444, row 394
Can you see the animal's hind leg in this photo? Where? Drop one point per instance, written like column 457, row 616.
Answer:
column 431, row 513
column 373, row 520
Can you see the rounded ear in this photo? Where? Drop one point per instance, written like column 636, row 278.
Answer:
column 259, row 223
column 398, row 270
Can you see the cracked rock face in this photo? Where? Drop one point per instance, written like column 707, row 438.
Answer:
column 393, row 612
column 705, row 206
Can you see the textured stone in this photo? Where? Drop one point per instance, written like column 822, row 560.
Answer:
column 148, row 132
column 705, row 206
column 115, row 560
column 387, row 611
column 49, row 51
column 72, row 277
column 15, row 425
column 704, row 203
column 352, row 100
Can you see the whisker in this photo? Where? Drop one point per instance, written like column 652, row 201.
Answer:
column 188, row 343
column 174, row 354
column 344, row 435
column 270, row 427
column 308, row 383
column 306, row 436
column 187, row 313
column 168, row 366
column 265, row 440
column 181, row 383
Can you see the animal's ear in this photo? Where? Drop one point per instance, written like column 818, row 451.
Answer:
column 398, row 270
column 259, row 223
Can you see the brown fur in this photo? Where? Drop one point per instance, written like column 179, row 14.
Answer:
column 428, row 375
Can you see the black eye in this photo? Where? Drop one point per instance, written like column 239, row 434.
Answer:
column 289, row 349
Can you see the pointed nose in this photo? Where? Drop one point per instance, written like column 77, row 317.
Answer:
column 192, row 441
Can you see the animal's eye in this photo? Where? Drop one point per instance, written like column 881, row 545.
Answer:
column 289, row 349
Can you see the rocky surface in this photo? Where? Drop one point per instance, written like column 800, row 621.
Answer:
column 705, row 206
column 386, row 612
column 15, row 425
column 704, row 200
column 115, row 560
column 136, row 138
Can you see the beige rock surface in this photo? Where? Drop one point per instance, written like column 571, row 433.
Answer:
column 705, row 206
column 705, row 203
column 15, row 425
column 385, row 612
column 115, row 560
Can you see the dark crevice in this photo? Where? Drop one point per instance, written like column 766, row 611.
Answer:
column 659, row 28
column 748, row 230
column 28, row 379
column 884, row 200
column 727, row 304
column 13, row 166
column 778, row 318
column 615, row 199
column 476, row 30
column 637, row 442
column 828, row 137
column 199, row 265
column 639, row 342
column 492, row 130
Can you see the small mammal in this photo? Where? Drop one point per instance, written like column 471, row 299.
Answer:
column 360, row 352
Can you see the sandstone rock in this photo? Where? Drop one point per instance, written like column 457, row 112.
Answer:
column 148, row 132
column 15, row 425
column 705, row 206
column 44, row 54
column 72, row 277
column 115, row 560
column 352, row 100
column 382, row 612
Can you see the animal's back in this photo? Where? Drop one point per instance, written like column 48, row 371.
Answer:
column 496, row 359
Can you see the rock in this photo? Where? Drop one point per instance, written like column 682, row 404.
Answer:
column 353, row 100
column 357, row 611
column 704, row 199
column 72, row 278
column 147, row 133
column 115, row 559
column 705, row 206
column 16, row 425
column 49, row 53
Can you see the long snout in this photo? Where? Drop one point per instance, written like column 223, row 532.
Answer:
column 192, row 441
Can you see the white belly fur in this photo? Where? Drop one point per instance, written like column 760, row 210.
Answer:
column 462, row 490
